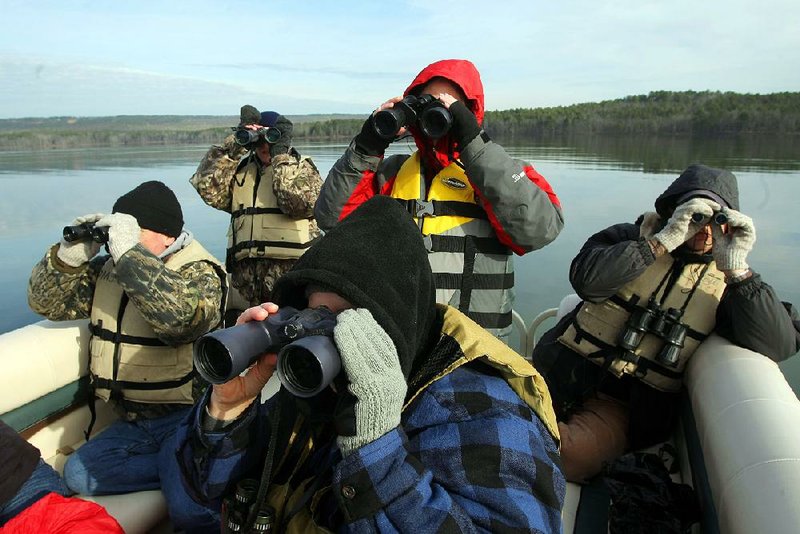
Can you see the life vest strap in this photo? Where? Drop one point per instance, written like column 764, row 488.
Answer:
column 490, row 320
column 113, row 337
column 256, row 211
column 116, row 385
column 457, row 244
column 263, row 245
column 440, row 208
column 479, row 281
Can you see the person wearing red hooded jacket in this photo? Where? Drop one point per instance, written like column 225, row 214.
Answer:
column 475, row 205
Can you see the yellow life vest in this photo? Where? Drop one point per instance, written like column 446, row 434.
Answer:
column 124, row 350
column 472, row 270
column 476, row 344
column 597, row 327
column 259, row 229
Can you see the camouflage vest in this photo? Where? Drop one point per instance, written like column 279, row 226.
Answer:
column 125, row 352
column 476, row 344
column 473, row 271
column 597, row 327
column 259, row 229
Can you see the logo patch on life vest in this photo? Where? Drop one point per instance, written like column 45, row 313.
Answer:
column 455, row 183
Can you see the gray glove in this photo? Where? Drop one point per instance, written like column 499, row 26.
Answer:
column 123, row 233
column 680, row 226
column 730, row 250
column 77, row 253
column 370, row 360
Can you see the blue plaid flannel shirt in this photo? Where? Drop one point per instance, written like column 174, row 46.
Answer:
column 468, row 456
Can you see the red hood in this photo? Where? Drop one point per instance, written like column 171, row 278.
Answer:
column 464, row 74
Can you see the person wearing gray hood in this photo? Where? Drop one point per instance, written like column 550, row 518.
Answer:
column 652, row 291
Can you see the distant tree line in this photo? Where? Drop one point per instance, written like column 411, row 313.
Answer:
column 663, row 113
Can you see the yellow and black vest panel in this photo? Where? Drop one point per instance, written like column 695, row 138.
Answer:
column 472, row 270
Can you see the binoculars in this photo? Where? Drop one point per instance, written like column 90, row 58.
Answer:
column 245, row 136
column 308, row 360
column 718, row 217
column 664, row 324
column 85, row 231
column 236, row 509
column 433, row 118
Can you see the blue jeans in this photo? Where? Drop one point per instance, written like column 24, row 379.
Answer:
column 136, row 456
column 42, row 481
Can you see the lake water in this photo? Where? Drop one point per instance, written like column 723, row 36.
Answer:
column 600, row 181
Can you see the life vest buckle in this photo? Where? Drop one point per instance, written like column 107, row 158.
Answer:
column 424, row 208
column 428, row 242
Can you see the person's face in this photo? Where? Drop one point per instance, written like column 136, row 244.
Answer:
column 155, row 242
column 443, row 86
column 702, row 241
column 330, row 300
column 262, row 151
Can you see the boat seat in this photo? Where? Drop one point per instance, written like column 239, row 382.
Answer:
column 42, row 396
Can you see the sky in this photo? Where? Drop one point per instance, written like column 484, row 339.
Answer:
column 98, row 58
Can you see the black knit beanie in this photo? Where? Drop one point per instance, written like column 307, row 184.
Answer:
column 375, row 259
column 154, row 206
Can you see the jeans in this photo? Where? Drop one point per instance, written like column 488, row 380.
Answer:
column 42, row 481
column 135, row 456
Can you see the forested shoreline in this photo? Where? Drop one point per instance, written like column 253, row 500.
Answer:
column 661, row 113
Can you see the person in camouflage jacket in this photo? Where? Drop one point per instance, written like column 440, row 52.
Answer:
column 270, row 191
column 147, row 302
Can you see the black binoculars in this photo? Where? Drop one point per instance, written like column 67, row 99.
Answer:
column 85, row 231
column 236, row 509
column 666, row 325
column 433, row 118
column 246, row 136
column 718, row 218
column 308, row 360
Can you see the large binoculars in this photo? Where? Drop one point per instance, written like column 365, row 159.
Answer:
column 246, row 136
column 666, row 325
column 433, row 118
column 718, row 217
column 85, row 231
column 308, row 360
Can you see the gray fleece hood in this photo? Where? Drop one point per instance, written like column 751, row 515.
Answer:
column 695, row 177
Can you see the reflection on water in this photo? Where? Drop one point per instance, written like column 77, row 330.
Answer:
column 600, row 181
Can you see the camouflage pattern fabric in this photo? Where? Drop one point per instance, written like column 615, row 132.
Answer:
column 297, row 184
column 179, row 305
column 255, row 278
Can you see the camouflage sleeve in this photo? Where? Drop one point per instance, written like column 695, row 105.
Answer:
column 60, row 292
column 180, row 305
column 213, row 176
column 297, row 184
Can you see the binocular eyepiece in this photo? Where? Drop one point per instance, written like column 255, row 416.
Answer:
column 433, row 118
column 246, row 136
column 85, row 231
column 718, row 218
column 236, row 509
column 308, row 360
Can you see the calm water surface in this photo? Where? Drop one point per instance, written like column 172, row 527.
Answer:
column 600, row 182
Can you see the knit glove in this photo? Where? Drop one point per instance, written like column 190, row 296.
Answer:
column 77, row 253
column 730, row 250
column 281, row 146
column 249, row 115
column 465, row 126
column 123, row 233
column 680, row 226
column 369, row 142
column 370, row 360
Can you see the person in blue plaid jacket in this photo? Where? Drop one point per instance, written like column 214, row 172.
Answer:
column 433, row 425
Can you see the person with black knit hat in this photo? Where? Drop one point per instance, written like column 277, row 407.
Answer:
column 401, row 439
column 270, row 190
column 652, row 291
column 147, row 301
